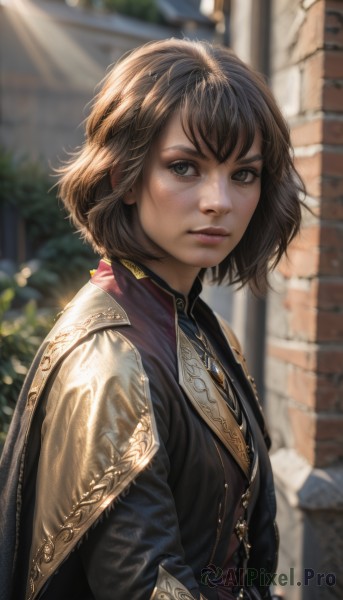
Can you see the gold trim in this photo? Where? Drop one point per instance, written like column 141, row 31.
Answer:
column 238, row 354
column 207, row 400
column 240, row 359
column 98, row 497
column 135, row 270
column 169, row 588
column 69, row 336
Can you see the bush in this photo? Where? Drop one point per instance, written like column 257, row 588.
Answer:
column 32, row 292
column 145, row 10
column 58, row 261
column 20, row 336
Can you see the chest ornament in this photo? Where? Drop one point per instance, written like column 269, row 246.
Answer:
column 199, row 386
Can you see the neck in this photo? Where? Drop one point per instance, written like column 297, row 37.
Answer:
column 180, row 282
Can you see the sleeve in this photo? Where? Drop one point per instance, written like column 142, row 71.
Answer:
column 102, row 480
column 136, row 549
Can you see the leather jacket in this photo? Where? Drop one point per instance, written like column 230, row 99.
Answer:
column 126, row 464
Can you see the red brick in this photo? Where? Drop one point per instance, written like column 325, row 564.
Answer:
column 327, row 453
column 334, row 6
column 332, row 97
column 329, row 327
column 299, row 354
column 331, row 261
column 307, row 133
column 329, row 427
column 315, row 391
column 333, row 64
column 317, row 438
column 309, row 236
column 310, row 36
column 331, row 207
column 329, row 391
column 298, row 297
column 303, row 324
column 333, row 28
column 330, row 359
column 325, row 359
column 329, row 293
column 304, row 262
column 332, row 131
column 307, row 322
column 332, row 163
column 302, row 387
column 312, row 82
column 310, row 169
column 332, row 236
column 303, row 427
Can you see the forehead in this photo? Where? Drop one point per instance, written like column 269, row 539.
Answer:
column 177, row 133
column 172, row 132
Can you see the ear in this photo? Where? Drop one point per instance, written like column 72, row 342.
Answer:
column 129, row 197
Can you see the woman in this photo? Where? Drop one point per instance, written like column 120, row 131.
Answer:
column 137, row 463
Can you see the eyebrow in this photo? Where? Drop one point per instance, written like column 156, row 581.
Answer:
column 187, row 149
column 196, row 153
column 250, row 159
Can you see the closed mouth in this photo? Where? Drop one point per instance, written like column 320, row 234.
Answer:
column 211, row 231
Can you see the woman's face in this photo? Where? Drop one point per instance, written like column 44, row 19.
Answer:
column 190, row 209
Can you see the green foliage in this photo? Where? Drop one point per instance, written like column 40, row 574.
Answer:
column 61, row 260
column 31, row 293
column 146, row 10
column 20, row 336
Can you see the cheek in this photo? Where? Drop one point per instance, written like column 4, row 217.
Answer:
column 246, row 213
column 253, row 202
column 248, row 210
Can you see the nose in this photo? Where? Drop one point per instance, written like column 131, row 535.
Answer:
column 216, row 196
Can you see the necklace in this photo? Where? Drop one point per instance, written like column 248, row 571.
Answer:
column 218, row 374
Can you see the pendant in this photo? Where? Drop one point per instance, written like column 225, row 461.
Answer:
column 216, row 371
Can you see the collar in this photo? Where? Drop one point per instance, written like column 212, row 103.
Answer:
column 183, row 303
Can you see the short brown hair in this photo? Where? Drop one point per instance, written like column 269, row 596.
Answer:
column 223, row 103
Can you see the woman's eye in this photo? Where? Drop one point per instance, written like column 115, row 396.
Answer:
column 182, row 168
column 245, row 176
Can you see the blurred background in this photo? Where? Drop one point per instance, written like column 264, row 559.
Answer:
column 53, row 55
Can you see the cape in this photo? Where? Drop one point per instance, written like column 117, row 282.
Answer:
column 94, row 341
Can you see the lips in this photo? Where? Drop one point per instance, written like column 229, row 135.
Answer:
column 211, row 231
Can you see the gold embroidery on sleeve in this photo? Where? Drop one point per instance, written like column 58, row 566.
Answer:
column 169, row 588
column 100, row 493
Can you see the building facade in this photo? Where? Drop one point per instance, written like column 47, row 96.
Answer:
column 299, row 44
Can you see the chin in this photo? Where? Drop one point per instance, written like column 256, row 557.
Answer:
column 209, row 264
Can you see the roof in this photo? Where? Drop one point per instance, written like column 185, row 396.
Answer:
column 177, row 12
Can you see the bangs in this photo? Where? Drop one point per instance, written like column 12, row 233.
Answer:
column 215, row 115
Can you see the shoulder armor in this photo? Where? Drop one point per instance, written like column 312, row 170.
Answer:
column 90, row 310
column 98, row 433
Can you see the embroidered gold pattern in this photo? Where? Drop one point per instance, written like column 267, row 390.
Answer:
column 202, row 391
column 100, row 494
column 240, row 358
column 169, row 588
column 67, row 338
column 135, row 270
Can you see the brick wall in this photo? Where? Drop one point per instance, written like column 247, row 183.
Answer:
column 304, row 325
column 304, row 370
column 305, row 318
